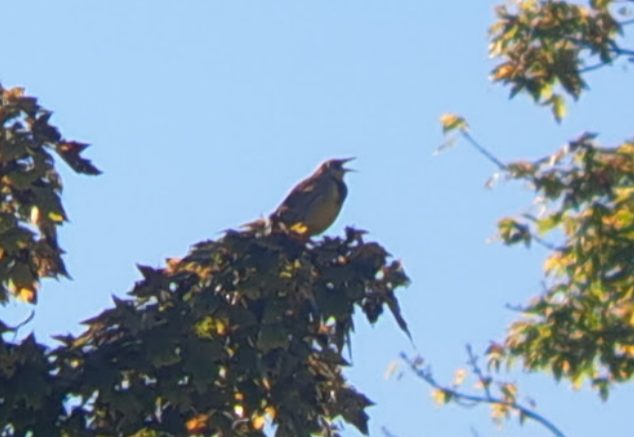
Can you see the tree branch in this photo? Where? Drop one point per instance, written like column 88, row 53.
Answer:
column 592, row 67
column 485, row 381
column 426, row 376
column 619, row 50
column 466, row 135
column 546, row 244
column 17, row 327
column 491, row 157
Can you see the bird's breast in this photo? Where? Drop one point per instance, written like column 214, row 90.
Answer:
column 325, row 210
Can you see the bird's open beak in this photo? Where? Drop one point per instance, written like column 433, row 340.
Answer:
column 344, row 161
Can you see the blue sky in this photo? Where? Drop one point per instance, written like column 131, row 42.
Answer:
column 203, row 114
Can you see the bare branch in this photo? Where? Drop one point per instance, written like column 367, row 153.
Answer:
column 482, row 150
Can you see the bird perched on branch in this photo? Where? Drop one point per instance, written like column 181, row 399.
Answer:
column 314, row 204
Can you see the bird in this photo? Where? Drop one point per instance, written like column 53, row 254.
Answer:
column 313, row 205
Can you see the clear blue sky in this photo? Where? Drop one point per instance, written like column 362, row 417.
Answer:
column 203, row 114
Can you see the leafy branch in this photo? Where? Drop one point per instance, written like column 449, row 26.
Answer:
column 585, row 195
column 516, row 232
column 502, row 405
column 615, row 50
column 544, row 48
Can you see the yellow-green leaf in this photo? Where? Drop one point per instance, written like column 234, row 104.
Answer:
column 559, row 107
column 452, row 122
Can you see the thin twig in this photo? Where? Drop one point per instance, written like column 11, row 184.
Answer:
column 387, row 432
column 619, row 50
column 515, row 307
column 491, row 400
column 482, row 150
column 547, row 244
column 466, row 135
column 474, row 432
column 17, row 327
column 473, row 362
column 592, row 67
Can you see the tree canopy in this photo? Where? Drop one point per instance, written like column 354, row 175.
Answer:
column 246, row 330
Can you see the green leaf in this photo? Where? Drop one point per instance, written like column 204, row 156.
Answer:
column 548, row 223
column 559, row 107
column 396, row 312
column 272, row 337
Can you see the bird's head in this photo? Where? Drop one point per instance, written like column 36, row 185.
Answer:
column 335, row 167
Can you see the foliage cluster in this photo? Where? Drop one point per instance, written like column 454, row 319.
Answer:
column 547, row 46
column 246, row 330
column 30, row 188
column 581, row 326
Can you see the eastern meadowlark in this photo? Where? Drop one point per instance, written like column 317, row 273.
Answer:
column 313, row 205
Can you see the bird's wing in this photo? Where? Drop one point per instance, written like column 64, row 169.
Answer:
column 300, row 200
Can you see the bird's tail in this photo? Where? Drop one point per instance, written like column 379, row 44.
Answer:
column 258, row 225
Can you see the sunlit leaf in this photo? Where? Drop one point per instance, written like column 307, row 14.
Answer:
column 451, row 122
column 559, row 107
column 439, row 396
column 459, row 377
